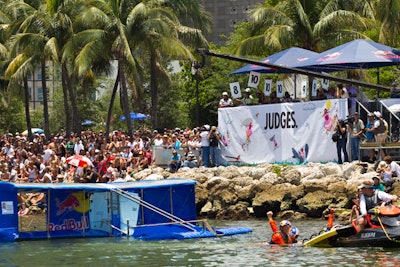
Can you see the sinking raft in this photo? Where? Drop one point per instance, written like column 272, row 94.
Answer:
column 146, row 210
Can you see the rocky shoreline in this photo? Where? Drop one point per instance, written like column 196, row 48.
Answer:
column 304, row 191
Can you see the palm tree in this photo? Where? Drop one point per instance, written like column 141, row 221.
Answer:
column 315, row 25
column 156, row 29
column 388, row 13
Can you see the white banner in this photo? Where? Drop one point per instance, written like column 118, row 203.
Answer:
column 281, row 133
column 235, row 90
column 279, row 89
column 254, row 79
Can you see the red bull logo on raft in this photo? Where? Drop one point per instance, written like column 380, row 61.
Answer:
column 71, row 224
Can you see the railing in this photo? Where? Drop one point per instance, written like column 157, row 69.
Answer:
column 173, row 218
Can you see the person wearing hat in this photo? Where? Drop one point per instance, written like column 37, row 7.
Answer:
column 225, row 101
column 380, row 130
column 377, row 184
column 384, row 172
column 248, row 99
column 356, row 129
column 395, row 91
column 369, row 134
column 190, row 161
column 176, row 161
column 370, row 198
column 282, row 235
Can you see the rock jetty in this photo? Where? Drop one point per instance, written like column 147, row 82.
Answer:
column 305, row 191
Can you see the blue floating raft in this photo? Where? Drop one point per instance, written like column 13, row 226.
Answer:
column 145, row 210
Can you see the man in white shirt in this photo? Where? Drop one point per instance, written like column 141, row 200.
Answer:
column 205, row 146
column 225, row 101
column 394, row 167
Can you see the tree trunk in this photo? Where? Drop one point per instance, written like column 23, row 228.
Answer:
column 154, row 90
column 67, row 109
column 46, row 125
column 111, row 106
column 76, row 122
column 27, row 112
column 124, row 93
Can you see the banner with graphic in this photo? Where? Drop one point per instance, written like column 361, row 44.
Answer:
column 281, row 133
column 69, row 211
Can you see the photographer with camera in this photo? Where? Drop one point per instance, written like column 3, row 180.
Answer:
column 341, row 143
column 356, row 129
column 214, row 138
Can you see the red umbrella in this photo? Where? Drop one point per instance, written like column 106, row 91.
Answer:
column 79, row 161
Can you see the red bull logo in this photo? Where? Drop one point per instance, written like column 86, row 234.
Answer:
column 385, row 54
column 330, row 57
column 70, row 203
column 70, row 224
column 75, row 201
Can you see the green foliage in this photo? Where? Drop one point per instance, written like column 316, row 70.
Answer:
column 12, row 117
column 277, row 169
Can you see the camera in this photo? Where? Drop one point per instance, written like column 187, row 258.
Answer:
column 349, row 119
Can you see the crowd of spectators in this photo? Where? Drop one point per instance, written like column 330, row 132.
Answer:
column 114, row 157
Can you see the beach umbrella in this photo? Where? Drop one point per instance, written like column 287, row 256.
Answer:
column 79, row 161
column 34, row 131
column 135, row 116
column 287, row 58
column 357, row 54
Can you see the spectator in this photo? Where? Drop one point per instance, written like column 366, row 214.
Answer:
column 395, row 91
column 261, row 100
column 341, row 143
column 356, row 129
column 214, row 138
column 248, row 99
column 353, row 93
column 377, row 184
column 369, row 134
column 225, row 101
column 287, row 97
column 175, row 162
column 190, row 161
column 175, row 142
column 205, row 146
column 384, row 171
column 380, row 130
column 331, row 93
column 394, row 167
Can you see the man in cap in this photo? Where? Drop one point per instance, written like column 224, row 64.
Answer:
column 190, row 161
column 248, row 98
column 380, row 130
column 369, row 199
column 225, row 101
column 356, row 128
column 205, row 145
column 282, row 235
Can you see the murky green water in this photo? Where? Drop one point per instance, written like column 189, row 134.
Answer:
column 239, row 250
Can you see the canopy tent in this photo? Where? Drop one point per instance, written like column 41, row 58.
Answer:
column 135, row 116
column 289, row 58
column 357, row 54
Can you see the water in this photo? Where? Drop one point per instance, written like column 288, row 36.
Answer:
column 240, row 250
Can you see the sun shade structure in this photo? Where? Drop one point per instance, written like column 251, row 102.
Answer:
column 357, row 54
column 288, row 58
column 134, row 116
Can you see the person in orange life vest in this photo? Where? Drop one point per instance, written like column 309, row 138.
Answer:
column 280, row 236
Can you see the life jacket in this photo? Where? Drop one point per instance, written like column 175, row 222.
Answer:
column 381, row 128
column 372, row 201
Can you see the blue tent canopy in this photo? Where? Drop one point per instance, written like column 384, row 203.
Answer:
column 356, row 54
column 288, row 58
column 134, row 116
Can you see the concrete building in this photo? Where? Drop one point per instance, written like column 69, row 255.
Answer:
column 226, row 14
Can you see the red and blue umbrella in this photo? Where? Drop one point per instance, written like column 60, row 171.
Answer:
column 357, row 54
column 287, row 58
